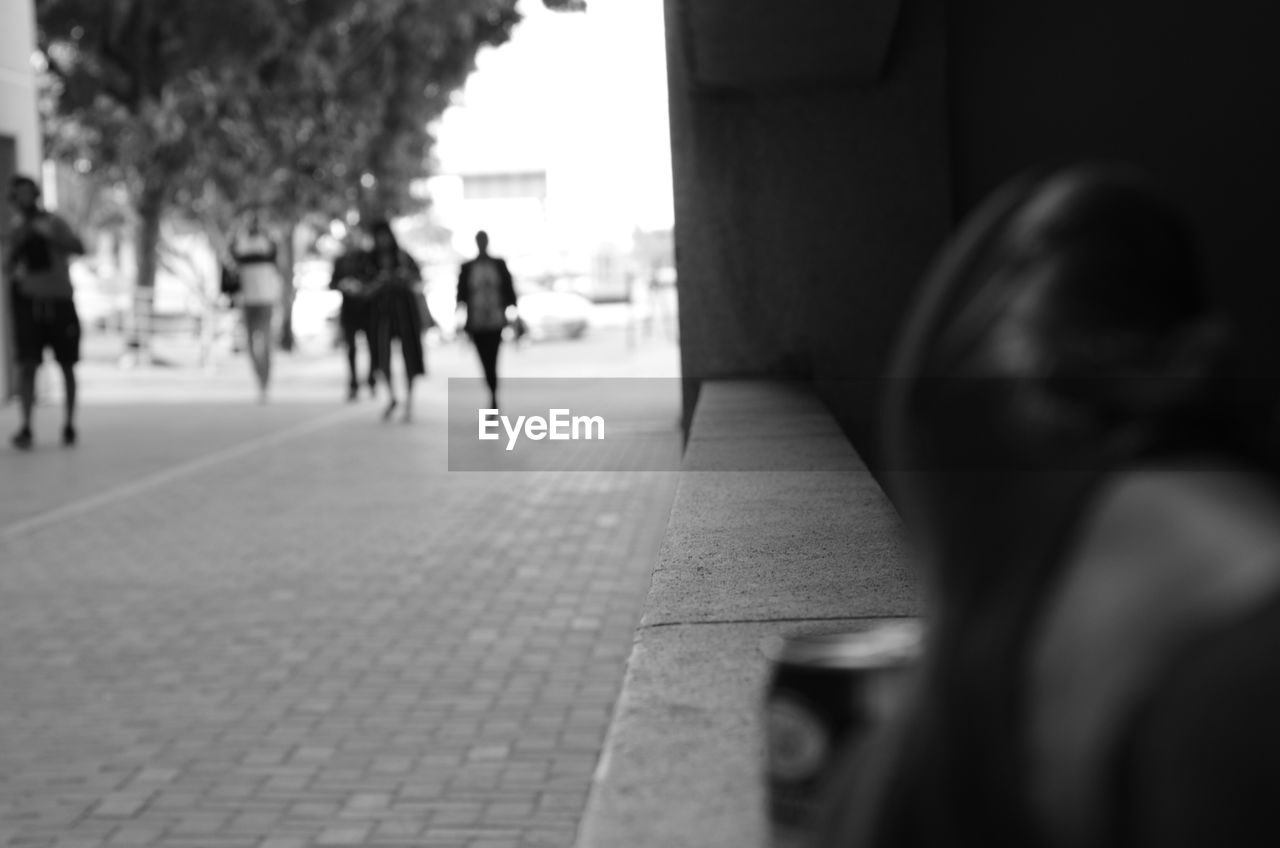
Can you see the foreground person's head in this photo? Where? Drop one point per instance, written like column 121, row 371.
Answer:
column 23, row 194
column 1065, row 329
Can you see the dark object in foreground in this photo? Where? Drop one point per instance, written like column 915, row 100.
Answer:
column 826, row 692
column 1100, row 525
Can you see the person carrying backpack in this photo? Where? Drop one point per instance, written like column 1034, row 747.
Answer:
column 486, row 289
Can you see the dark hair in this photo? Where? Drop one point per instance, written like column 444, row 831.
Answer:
column 1058, row 311
column 1041, row 355
column 19, row 180
column 382, row 225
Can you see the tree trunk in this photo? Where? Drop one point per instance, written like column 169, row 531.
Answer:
column 286, row 299
column 150, row 208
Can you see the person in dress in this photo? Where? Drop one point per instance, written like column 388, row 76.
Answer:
column 261, row 288
column 394, row 315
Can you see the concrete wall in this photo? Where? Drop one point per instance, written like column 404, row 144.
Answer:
column 806, row 212
column 1185, row 90
column 19, row 121
column 18, row 116
column 777, row 529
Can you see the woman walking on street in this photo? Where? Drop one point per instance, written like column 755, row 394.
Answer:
column 261, row 288
column 394, row 314
column 350, row 276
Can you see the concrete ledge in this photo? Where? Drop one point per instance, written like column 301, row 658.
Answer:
column 777, row 527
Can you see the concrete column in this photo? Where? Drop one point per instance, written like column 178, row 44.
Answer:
column 20, row 148
column 806, row 207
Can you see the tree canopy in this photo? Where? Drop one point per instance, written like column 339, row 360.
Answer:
column 208, row 108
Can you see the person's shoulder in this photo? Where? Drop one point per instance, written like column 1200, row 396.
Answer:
column 1205, row 739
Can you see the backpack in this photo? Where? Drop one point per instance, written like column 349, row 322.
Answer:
column 485, row 308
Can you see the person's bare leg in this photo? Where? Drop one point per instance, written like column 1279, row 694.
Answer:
column 69, row 414
column 407, row 415
column 260, row 353
column 255, row 358
column 373, row 379
column 27, row 402
column 266, row 357
column 392, row 401
column 349, row 340
column 251, row 343
column 27, row 392
column 487, row 345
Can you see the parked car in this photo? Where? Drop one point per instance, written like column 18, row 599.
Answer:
column 551, row 314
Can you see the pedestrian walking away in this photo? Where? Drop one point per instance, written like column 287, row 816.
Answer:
column 44, row 313
column 351, row 276
column 261, row 288
column 394, row 314
column 486, row 289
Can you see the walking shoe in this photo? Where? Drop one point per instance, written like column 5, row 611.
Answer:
column 22, row 439
column 68, row 435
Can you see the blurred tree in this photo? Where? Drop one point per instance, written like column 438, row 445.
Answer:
column 337, row 111
column 291, row 106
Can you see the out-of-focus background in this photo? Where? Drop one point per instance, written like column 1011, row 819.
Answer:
column 546, row 128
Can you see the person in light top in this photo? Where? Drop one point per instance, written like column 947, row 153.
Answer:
column 261, row 288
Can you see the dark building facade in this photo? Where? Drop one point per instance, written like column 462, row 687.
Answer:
column 823, row 151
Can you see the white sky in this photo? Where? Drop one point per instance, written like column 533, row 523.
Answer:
column 582, row 96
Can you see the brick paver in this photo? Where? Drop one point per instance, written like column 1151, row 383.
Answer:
column 321, row 638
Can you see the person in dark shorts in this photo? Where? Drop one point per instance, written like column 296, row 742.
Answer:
column 485, row 288
column 44, row 313
column 394, row 314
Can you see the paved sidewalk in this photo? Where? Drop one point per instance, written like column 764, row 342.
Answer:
column 283, row 626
